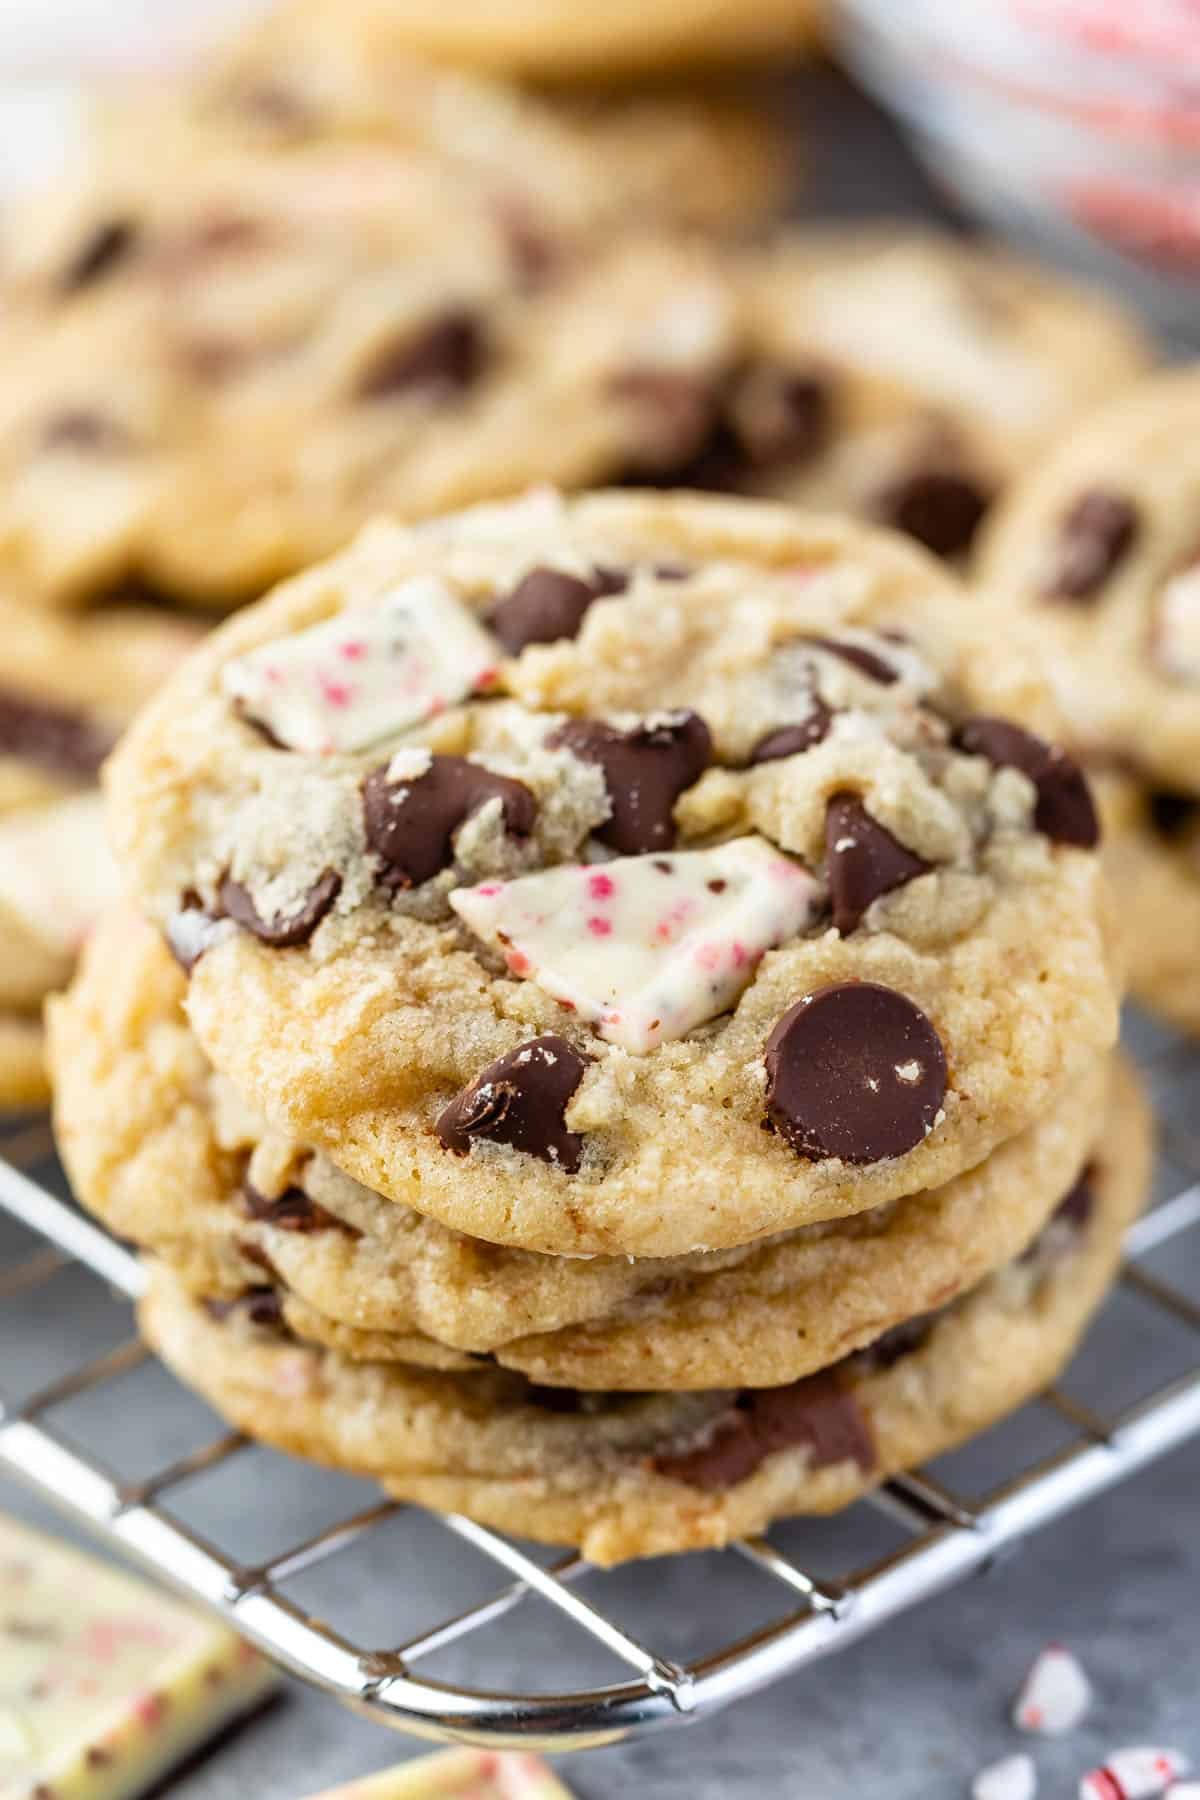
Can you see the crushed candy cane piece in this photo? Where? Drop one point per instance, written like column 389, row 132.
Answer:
column 458, row 1775
column 1177, row 639
column 106, row 1683
column 366, row 674
column 56, row 872
column 1135, row 1773
column 1054, row 1696
column 1013, row 1778
column 646, row 947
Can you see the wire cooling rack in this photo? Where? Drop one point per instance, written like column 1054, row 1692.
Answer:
column 812, row 1596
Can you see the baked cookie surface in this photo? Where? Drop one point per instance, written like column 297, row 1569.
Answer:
column 1152, row 855
column 160, row 1148
column 707, row 911
column 643, row 1474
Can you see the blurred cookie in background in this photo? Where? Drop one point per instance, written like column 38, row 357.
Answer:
column 67, row 691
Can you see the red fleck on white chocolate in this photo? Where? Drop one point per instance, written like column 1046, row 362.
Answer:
column 1055, row 1694
column 1012, row 1778
column 646, row 947
column 1136, row 1773
column 366, row 674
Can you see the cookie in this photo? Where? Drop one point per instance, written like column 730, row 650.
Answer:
column 558, row 41
column 163, row 1151
column 68, row 688
column 644, row 1474
column 715, row 916
column 1095, row 552
column 898, row 375
column 1152, row 854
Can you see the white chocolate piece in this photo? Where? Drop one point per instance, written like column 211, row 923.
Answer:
column 105, row 1683
column 57, row 874
column 366, row 674
column 1177, row 642
column 458, row 1775
column 1013, row 1778
column 646, row 947
column 1055, row 1695
column 1136, row 1773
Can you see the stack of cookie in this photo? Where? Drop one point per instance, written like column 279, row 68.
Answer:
column 1095, row 556
column 612, row 1043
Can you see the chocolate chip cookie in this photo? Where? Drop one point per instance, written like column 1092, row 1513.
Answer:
column 625, row 1475
column 164, row 1151
column 621, row 875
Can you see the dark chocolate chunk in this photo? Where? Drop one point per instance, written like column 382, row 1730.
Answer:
column 99, row 255
column 792, row 740
column 283, row 930
column 293, row 1210
column 940, row 508
column 860, row 658
column 782, row 417
column 56, row 738
column 863, row 860
column 816, row 1414
column 854, row 1071
column 645, row 771
column 81, row 430
column 411, row 823
column 1093, row 536
column 548, row 604
column 447, row 357
column 521, row 1100
column 1171, row 814
column 1064, row 811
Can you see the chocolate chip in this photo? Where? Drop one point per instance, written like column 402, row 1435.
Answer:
column 782, row 417
column 854, row 1071
column 859, row 657
column 816, row 1414
column 447, row 357
column 1067, row 1223
column 1171, row 814
column 1063, row 811
column 283, row 930
column 893, row 1346
column 261, row 1305
column 99, row 255
column 548, row 604
column 1093, row 536
column 678, row 422
column 84, row 431
column 293, row 1210
column 645, row 771
column 411, row 823
column 1079, row 1202
column 793, row 740
column 56, row 738
column 521, row 1100
column 863, row 859
column 940, row 508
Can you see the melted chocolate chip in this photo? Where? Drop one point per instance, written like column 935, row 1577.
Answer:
column 854, row 1071
column 548, row 604
column 89, row 432
column 863, row 859
column 261, row 1305
column 447, row 357
column 1093, row 536
column 678, row 418
column 1064, row 811
column 1171, row 814
column 99, row 255
column 1079, row 1202
column 940, row 508
column 792, row 740
column 411, row 824
column 283, row 930
column 521, row 1100
column 645, row 771
column 816, row 1414
column 893, row 1346
column 860, row 658
column 1067, row 1224
column 293, row 1210
column 782, row 417
column 54, row 737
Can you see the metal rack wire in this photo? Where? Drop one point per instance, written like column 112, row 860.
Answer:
column 941, row 1536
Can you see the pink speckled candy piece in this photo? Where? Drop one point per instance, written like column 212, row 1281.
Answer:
column 366, row 674
column 458, row 1775
column 646, row 947
column 1055, row 1694
column 1138, row 1772
column 105, row 1683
